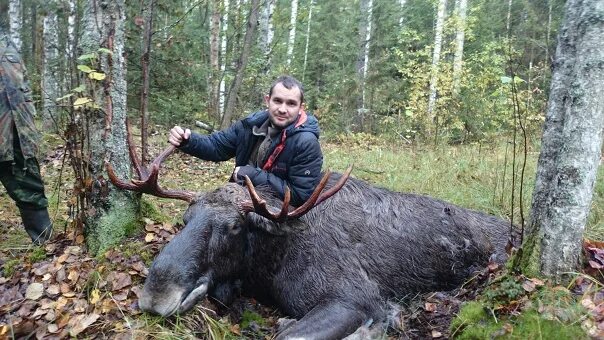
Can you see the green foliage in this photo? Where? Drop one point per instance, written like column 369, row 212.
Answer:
column 9, row 267
column 551, row 313
column 248, row 318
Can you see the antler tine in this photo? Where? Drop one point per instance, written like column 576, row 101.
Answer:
column 140, row 171
column 339, row 184
column 260, row 206
column 310, row 203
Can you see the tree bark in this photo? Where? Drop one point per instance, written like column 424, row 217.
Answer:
column 144, row 103
column 460, row 9
column 214, row 62
column 50, row 77
column 111, row 212
column 570, row 151
column 310, row 7
column 401, row 20
column 438, row 37
column 363, row 59
column 292, row 31
column 223, row 56
column 248, row 40
column 15, row 16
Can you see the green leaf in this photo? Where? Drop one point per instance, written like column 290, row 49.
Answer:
column 518, row 80
column 96, row 75
column 105, row 50
column 506, row 80
column 64, row 97
column 79, row 89
column 85, row 68
column 87, row 56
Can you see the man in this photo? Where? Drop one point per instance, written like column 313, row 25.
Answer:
column 277, row 147
column 19, row 169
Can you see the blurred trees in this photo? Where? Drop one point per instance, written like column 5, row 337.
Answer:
column 196, row 46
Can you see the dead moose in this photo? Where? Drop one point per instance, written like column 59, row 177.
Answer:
column 332, row 263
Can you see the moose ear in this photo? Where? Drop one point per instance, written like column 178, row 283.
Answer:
column 275, row 228
column 235, row 228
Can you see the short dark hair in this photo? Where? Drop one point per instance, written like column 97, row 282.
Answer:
column 289, row 83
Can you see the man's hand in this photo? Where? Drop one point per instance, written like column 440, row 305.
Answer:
column 178, row 136
column 241, row 171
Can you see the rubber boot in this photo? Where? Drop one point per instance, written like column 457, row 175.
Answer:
column 37, row 224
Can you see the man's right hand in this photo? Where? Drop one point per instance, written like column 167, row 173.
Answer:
column 179, row 135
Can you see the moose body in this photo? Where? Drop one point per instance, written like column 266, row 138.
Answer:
column 333, row 268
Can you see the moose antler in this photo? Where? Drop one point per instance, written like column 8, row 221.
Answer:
column 259, row 206
column 147, row 182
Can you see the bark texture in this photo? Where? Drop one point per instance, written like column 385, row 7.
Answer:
column 572, row 138
column 438, row 42
column 50, row 79
column 460, row 10
column 112, row 212
column 292, row 31
column 14, row 16
column 252, row 23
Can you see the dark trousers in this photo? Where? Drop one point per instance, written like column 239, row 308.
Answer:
column 23, row 181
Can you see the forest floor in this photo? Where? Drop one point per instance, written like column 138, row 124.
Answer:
column 60, row 291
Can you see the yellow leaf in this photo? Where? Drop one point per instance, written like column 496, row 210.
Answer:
column 95, row 296
column 96, row 75
column 80, row 102
column 149, row 237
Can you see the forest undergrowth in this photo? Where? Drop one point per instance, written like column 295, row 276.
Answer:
column 61, row 291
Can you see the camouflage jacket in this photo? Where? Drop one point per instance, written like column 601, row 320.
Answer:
column 16, row 106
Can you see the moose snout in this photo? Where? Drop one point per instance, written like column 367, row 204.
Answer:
column 164, row 303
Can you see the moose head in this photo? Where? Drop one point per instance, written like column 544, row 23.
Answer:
column 207, row 256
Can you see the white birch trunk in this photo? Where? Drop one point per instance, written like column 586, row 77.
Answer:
column 570, row 151
column 292, row 32
column 460, row 9
column 366, row 6
column 509, row 18
column 15, row 16
column 438, row 37
column 112, row 210
column 213, row 83
column 223, row 49
column 69, row 46
column 401, row 19
column 50, row 73
column 310, row 7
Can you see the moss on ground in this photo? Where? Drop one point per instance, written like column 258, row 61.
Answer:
column 549, row 313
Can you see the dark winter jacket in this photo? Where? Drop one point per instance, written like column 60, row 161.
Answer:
column 298, row 165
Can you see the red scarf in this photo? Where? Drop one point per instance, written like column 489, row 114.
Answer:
column 270, row 162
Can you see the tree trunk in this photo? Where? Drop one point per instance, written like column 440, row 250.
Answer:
column 214, row 62
column 147, row 37
column 401, row 19
column 265, row 29
column 70, row 44
column 111, row 212
column 363, row 59
column 223, row 56
column 292, row 31
column 438, row 40
column 241, row 64
column 460, row 9
column 50, row 77
column 15, row 16
column 310, row 7
column 570, row 151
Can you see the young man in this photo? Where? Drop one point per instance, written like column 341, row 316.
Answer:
column 19, row 169
column 277, row 147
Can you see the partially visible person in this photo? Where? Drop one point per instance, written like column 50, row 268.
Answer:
column 19, row 139
column 277, row 147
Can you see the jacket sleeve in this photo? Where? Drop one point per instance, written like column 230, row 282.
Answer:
column 304, row 171
column 217, row 147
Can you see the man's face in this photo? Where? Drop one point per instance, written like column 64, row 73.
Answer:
column 283, row 105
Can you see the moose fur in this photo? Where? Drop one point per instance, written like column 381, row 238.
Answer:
column 332, row 269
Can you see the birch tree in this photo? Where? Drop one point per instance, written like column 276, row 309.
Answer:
column 570, row 151
column 110, row 211
column 148, row 12
column 70, row 42
column 438, row 40
column 265, row 27
column 363, row 58
column 460, row 11
column 50, row 77
column 310, row 8
column 248, row 40
column 15, row 15
column 402, row 6
column 213, row 82
column 292, row 31
column 223, row 56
